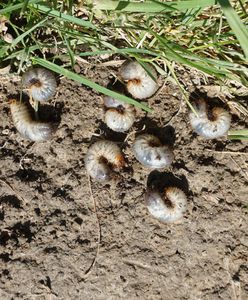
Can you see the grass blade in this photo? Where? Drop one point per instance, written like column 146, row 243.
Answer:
column 62, row 71
column 236, row 24
column 24, row 7
column 20, row 52
column 11, row 8
column 237, row 137
column 64, row 17
column 22, row 36
column 119, row 51
column 171, row 54
column 150, row 6
column 238, row 134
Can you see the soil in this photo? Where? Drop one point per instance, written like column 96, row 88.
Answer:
column 55, row 246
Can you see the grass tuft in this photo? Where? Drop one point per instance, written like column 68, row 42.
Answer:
column 210, row 36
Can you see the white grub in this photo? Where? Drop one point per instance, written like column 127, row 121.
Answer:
column 40, row 82
column 139, row 83
column 167, row 207
column 119, row 116
column 102, row 159
column 209, row 124
column 150, row 152
column 30, row 129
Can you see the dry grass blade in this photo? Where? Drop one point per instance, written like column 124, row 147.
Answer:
column 89, row 270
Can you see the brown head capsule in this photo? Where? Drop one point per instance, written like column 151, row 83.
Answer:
column 30, row 129
column 103, row 159
column 210, row 124
column 40, row 82
column 168, row 206
column 139, row 83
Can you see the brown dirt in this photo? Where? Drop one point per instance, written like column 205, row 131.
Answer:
column 50, row 233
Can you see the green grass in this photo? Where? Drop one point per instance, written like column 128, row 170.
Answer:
column 71, row 75
column 238, row 134
column 210, row 36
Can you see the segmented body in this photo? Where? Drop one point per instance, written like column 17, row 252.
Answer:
column 210, row 124
column 150, row 152
column 27, row 127
column 102, row 159
column 167, row 207
column 119, row 116
column 139, row 83
column 40, row 82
